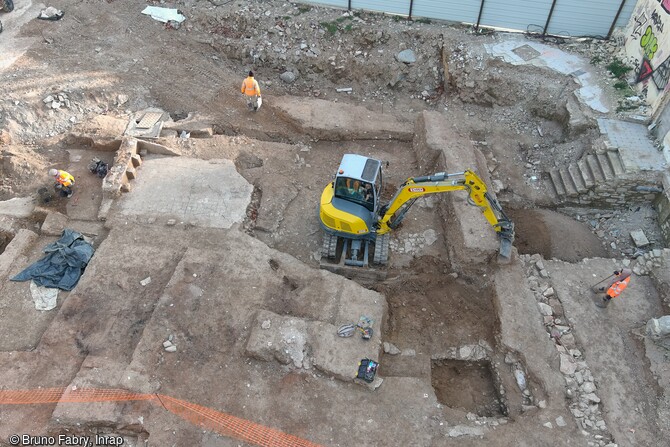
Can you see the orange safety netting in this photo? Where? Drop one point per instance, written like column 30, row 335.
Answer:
column 222, row 423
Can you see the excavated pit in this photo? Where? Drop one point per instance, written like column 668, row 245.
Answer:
column 467, row 386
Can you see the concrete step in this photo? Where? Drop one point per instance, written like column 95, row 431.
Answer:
column 605, row 166
column 570, row 188
column 594, row 166
column 557, row 182
column 615, row 162
column 586, row 173
column 577, row 179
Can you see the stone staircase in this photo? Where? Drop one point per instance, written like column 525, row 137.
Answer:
column 580, row 177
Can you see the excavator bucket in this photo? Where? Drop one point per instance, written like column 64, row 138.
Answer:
column 506, row 235
column 505, row 250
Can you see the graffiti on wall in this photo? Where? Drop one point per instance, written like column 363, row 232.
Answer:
column 661, row 74
column 649, row 43
column 645, row 71
column 640, row 21
column 657, row 21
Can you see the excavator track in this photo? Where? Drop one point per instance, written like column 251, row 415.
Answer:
column 381, row 256
column 329, row 246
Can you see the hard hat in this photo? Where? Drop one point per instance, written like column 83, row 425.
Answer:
column 346, row 330
column 53, row 172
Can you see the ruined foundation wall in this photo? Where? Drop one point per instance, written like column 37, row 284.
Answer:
column 662, row 204
column 469, row 238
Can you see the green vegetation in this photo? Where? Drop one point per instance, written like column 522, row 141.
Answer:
column 286, row 17
column 618, row 68
column 423, row 20
column 303, row 9
column 331, row 27
column 397, row 18
column 621, row 85
column 595, row 60
column 348, row 28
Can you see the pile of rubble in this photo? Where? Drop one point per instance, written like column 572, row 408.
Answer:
column 580, row 386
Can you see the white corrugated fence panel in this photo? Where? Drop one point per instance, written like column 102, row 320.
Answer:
column 583, row 18
column 626, row 13
column 453, row 10
column 523, row 15
column 337, row 3
column 390, row 6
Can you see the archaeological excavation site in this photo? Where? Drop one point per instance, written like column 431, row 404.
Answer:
column 334, row 223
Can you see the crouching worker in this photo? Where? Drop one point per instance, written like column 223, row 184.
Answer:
column 615, row 287
column 64, row 182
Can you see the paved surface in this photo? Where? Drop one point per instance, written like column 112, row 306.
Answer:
column 202, row 193
column 521, row 51
column 637, row 151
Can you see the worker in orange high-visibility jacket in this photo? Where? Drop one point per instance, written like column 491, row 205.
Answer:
column 252, row 92
column 616, row 286
column 64, row 182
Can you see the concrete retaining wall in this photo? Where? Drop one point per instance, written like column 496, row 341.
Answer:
column 662, row 204
column 468, row 236
column 621, row 191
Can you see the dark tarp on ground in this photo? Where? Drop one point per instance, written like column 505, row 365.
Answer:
column 64, row 263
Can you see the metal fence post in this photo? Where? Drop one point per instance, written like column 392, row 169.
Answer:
column 479, row 18
column 349, row 6
column 616, row 18
column 411, row 4
column 551, row 13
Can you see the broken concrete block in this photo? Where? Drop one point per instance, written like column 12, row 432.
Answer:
column 568, row 366
column 131, row 173
column 639, row 238
column 545, row 309
column 54, row 224
column 136, row 160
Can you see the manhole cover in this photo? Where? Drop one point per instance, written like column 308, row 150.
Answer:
column 526, row 52
column 149, row 119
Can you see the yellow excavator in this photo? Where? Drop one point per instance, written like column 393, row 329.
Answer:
column 356, row 223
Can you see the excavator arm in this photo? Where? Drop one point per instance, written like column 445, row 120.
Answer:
column 392, row 214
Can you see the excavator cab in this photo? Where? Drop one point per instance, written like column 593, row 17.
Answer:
column 350, row 204
column 350, row 208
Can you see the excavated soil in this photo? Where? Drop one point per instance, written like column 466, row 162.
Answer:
column 112, row 61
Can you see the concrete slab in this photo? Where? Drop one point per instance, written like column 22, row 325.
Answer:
column 335, row 121
column 306, row 344
column 611, row 349
column 636, row 149
column 201, row 193
column 517, row 51
column 54, row 224
column 146, row 123
column 17, row 207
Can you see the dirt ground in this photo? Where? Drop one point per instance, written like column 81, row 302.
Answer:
column 110, row 61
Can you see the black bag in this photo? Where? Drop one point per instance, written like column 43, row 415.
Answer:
column 98, row 167
column 367, row 369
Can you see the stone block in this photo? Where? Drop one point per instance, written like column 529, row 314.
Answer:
column 54, row 224
column 136, row 160
column 131, row 173
column 639, row 238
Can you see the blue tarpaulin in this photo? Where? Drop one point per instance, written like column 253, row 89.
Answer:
column 64, row 263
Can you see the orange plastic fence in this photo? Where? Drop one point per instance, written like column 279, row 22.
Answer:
column 222, row 423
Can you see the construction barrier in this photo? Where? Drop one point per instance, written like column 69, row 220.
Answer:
column 203, row 417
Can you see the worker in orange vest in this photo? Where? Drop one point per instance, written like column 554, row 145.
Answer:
column 616, row 286
column 252, row 92
column 64, row 182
